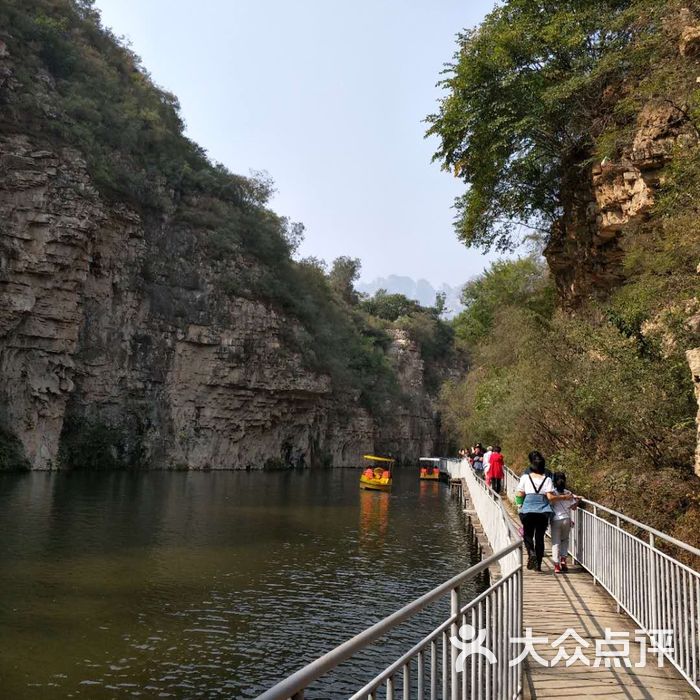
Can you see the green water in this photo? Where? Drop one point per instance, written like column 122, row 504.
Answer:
column 179, row 585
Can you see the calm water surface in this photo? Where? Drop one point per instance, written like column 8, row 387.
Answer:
column 213, row 585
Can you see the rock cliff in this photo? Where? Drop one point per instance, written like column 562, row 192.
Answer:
column 117, row 343
column 609, row 198
column 613, row 197
column 185, row 376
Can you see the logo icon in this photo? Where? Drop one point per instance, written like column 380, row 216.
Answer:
column 470, row 642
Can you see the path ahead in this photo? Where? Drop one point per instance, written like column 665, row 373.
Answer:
column 554, row 603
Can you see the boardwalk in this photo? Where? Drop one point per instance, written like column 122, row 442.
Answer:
column 554, row 603
column 564, row 616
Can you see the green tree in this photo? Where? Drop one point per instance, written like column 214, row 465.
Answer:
column 440, row 304
column 525, row 102
column 344, row 272
column 389, row 306
column 523, row 283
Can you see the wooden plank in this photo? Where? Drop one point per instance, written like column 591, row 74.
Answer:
column 554, row 603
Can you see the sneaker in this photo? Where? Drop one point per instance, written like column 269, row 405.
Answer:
column 562, row 565
column 538, row 566
column 531, row 563
column 557, row 569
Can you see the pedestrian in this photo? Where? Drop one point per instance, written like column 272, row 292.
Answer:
column 563, row 503
column 537, row 490
column 496, row 469
column 487, row 457
column 478, row 460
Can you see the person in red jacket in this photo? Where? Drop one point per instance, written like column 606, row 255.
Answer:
column 496, row 469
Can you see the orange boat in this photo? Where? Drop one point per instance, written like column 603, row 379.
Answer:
column 431, row 470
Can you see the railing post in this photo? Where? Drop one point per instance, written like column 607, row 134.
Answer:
column 454, row 629
column 652, row 583
column 618, row 558
column 521, row 598
column 595, row 545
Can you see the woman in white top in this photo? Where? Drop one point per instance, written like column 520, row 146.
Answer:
column 537, row 493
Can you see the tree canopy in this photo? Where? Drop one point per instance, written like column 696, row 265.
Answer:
column 390, row 307
column 522, row 283
column 525, row 100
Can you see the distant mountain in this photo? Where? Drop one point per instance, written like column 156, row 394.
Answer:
column 421, row 290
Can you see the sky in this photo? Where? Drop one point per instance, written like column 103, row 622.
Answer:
column 329, row 98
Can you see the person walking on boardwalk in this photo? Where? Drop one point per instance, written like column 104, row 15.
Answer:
column 563, row 503
column 478, row 460
column 487, row 457
column 496, row 469
column 537, row 490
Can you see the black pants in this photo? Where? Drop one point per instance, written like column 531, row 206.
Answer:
column 496, row 485
column 535, row 525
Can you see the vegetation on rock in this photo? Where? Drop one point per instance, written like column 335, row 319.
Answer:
column 537, row 97
column 73, row 84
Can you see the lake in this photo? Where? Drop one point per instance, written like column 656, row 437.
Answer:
column 210, row 584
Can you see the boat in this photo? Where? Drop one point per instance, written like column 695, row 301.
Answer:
column 429, row 469
column 376, row 478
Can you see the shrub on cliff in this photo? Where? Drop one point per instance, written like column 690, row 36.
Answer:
column 600, row 393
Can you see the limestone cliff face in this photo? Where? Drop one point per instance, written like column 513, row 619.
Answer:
column 412, row 428
column 586, row 252
column 107, row 318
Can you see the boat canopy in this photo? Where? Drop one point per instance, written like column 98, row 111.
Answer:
column 429, row 459
column 373, row 458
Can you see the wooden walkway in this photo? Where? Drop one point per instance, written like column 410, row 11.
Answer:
column 554, row 603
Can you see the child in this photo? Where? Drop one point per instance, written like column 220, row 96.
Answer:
column 563, row 503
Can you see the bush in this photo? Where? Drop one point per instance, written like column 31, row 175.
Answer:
column 599, row 392
column 11, row 453
column 95, row 445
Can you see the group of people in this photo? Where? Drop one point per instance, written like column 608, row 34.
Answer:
column 542, row 498
column 544, row 501
column 488, row 464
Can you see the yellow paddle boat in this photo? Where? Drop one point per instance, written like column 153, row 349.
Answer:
column 376, row 478
column 429, row 469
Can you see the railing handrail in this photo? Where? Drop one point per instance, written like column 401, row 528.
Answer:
column 499, row 499
column 313, row 671
column 390, row 670
column 635, row 523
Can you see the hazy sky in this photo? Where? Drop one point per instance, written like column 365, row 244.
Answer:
column 329, row 98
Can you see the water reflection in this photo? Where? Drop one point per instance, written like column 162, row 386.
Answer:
column 427, row 489
column 374, row 517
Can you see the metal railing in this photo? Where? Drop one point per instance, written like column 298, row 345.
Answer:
column 432, row 668
column 655, row 589
column 495, row 521
column 510, row 483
